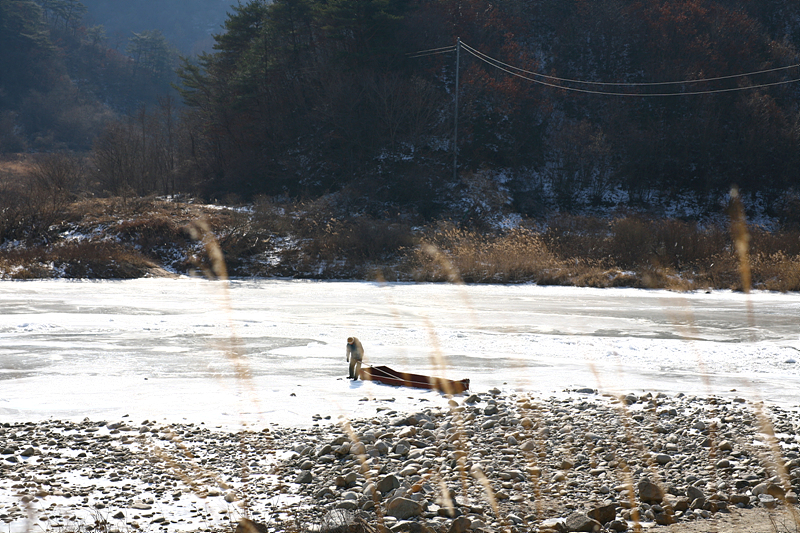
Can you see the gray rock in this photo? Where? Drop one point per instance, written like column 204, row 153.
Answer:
column 618, row 525
column 387, row 484
column 604, row 514
column 693, row 493
column 408, row 526
column 304, row 477
column 649, row 492
column 460, row 525
column 740, row 499
column 767, row 501
column 347, row 505
column 578, row 521
column 358, row 448
column 140, row 506
column 403, row 508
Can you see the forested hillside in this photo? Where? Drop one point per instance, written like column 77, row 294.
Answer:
column 61, row 82
column 562, row 104
column 187, row 25
column 305, row 95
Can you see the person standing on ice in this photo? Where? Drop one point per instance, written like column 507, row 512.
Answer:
column 355, row 354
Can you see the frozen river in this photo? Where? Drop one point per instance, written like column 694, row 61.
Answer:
column 261, row 352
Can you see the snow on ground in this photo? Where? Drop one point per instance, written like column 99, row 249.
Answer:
column 273, row 352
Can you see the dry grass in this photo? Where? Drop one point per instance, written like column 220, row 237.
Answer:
column 79, row 260
column 321, row 240
column 629, row 251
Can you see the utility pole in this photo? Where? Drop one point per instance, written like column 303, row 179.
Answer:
column 455, row 114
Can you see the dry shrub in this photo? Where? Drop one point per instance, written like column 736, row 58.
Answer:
column 632, row 242
column 272, row 217
column 358, row 239
column 517, row 255
column 776, row 272
column 34, row 194
column 680, row 243
column 150, row 232
column 102, row 260
column 55, row 181
column 569, row 236
column 771, row 242
column 81, row 260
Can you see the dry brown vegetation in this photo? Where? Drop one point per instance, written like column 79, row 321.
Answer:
column 628, row 251
column 49, row 227
column 124, row 238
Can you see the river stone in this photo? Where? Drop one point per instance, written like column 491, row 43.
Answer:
column 358, row 448
column 382, row 447
column 408, row 526
column 649, row 492
column 387, row 483
column 140, row 506
column 304, row 477
column 740, row 499
column 618, row 525
column 604, row 514
column 403, row 508
column 693, row 493
column 578, row 521
column 767, row 501
column 460, row 525
column 347, row 505
column 664, row 519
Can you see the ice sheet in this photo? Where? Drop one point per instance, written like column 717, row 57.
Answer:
column 273, row 352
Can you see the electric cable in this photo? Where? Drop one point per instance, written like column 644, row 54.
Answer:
column 614, row 93
column 628, row 84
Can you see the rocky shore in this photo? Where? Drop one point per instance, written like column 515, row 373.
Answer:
column 492, row 461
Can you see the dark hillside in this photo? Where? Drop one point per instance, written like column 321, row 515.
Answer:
column 60, row 83
column 188, row 26
column 303, row 97
column 562, row 105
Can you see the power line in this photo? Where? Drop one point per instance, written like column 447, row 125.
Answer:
column 613, row 93
column 431, row 52
column 626, row 84
column 449, row 48
column 554, row 81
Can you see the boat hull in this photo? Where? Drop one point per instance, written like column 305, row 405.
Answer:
column 387, row 376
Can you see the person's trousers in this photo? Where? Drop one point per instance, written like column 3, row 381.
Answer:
column 355, row 368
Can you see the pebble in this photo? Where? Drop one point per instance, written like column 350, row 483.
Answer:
column 552, row 464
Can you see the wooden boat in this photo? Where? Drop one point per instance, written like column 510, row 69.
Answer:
column 387, row 376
